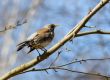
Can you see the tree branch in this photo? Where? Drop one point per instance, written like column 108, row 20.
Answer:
column 92, row 32
column 61, row 68
column 90, row 14
column 83, row 60
column 44, row 56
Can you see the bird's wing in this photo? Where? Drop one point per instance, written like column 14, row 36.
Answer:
column 40, row 31
column 32, row 36
column 41, row 38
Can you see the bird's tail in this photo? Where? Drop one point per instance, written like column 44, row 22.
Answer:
column 22, row 45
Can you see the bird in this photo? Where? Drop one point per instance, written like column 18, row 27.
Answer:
column 40, row 39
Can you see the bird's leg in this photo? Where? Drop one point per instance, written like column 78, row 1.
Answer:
column 43, row 49
column 31, row 49
column 38, row 52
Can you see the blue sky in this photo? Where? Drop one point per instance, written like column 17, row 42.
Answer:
column 66, row 13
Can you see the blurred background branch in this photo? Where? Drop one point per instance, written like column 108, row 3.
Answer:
column 13, row 26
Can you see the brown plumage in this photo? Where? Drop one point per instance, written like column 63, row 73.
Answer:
column 40, row 39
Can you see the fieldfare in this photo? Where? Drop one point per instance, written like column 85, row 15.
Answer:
column 40, row 39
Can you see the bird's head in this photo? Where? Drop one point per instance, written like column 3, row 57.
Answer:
column 51, row 27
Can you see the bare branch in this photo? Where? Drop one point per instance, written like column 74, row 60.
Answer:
column 92, row 32
column 90, row 26
column 90, row 14
column 78, row 61
column 83, row 60
column 60, row 68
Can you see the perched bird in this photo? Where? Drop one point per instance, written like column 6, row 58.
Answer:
column 40, row 39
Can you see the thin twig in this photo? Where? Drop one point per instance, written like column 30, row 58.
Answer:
column 92, row 32
column 55, row 58
column 61, row 68
column 83, row 60
column 90, row 26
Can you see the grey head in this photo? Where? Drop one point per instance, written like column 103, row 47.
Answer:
column 51, row 27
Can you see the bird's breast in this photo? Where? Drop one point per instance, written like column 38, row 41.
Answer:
column 43, row 42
